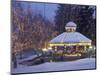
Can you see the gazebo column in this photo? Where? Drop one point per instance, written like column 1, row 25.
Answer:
column 76, row 48
column 55, row 48
column 65, row 48
column 85, row 48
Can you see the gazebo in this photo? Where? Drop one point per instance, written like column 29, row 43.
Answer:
column 70, row 42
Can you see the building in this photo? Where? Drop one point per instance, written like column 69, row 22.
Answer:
column 71, row 43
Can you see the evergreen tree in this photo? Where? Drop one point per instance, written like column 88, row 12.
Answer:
column 86, row 23
column 64, row 14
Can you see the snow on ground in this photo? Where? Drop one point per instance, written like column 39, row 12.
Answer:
column 87, row 63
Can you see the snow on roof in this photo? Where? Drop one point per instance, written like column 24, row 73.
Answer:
column 71, row 24
column 72, row 37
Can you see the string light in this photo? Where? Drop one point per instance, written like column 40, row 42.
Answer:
column 72, row 44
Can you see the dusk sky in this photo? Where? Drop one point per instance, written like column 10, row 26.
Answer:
column 47, row 8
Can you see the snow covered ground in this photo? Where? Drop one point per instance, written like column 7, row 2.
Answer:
column 87, row 63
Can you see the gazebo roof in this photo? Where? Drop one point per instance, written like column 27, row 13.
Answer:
column 70, row 24
column 72, row 37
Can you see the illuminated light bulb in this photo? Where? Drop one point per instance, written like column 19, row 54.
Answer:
column 49, row 48
column 90, row 46
column 44, row 49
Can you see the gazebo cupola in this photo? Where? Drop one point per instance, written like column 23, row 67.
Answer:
column 70, row 27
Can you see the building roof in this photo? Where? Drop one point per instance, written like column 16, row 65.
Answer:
column 72, row 37
column 71, row 24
